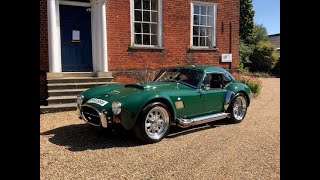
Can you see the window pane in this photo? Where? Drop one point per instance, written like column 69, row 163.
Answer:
column 137, row 27
column 146, row 16
column 154, row 5
column 209, row 42
column 137, row 39
column 146, row 28
column 146, row 39
column 196, row 20
column 146, row 4
column 210, row 21
column 137, row 15
column 210, row 37
column 195, row 41
column 154, row 17
column 203, row 10
column 210, row 10
column 196, row 30
column 203, row 20
column 154, row 28
column 137, row 4
column 154, row 40
column 196, row 9
column 202, row 41
column 202, row 31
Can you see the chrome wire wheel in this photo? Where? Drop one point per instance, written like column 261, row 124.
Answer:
column 156, row 122
column 239, row 108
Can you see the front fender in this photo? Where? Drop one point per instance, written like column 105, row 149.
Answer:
column 240, row 87
column 133, row 105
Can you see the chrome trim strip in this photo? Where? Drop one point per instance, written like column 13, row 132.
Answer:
column 184, row 123
column 229, row 97
column 103, row 120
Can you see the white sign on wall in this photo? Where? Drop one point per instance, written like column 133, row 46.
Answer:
column 226, row 58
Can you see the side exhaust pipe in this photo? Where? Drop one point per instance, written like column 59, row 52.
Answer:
column 184, row 123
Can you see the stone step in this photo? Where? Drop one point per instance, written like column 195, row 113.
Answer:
column 53, row 86
column 78, row 74
column 58, row 108
column 62, row 99
column 79, row 79
column 65, row 92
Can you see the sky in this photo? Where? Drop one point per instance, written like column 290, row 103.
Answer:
column 267, row 13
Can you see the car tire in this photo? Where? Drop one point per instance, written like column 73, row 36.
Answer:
column 238, row 108
column 153, row 123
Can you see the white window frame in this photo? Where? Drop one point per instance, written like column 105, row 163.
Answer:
column 214, row 42
column 159, row 27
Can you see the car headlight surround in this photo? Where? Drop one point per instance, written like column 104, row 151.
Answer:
column 116, row 107
column 80, row 98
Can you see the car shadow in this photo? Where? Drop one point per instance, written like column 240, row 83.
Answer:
column 81, row 137
column 176, row 131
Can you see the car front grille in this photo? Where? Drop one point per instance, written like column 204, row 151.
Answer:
column 90, row 115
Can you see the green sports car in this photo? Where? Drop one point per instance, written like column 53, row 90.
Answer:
column 181, row 95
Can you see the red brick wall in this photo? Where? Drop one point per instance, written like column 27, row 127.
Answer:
column 44, row 67
column 142, row 65
column 132, row 65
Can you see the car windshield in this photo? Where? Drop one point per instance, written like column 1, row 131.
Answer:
column 189, row 77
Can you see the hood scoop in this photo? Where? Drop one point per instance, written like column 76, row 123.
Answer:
column 137, row 85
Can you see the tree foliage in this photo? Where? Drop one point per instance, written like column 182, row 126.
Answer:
column 246, row 21
column 259, row 33
column 264, row 57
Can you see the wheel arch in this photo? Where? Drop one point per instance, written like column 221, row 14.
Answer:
column 165, row 102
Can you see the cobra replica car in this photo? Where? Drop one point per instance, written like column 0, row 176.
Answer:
column 181, row 95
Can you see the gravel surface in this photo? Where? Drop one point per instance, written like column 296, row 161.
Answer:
column 71, row 149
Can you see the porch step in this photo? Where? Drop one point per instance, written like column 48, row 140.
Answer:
column 58, row 108
column 53, row 86
column 79, row 79
column 65, row 92
column 62, row 99
column 63, row 88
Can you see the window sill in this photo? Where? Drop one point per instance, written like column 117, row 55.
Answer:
column 145, row 48
column 199, row 49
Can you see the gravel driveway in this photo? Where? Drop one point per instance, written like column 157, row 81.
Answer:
column 71, row 149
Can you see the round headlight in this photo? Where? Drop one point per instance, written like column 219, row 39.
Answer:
column 116, row 108
column 79, row 99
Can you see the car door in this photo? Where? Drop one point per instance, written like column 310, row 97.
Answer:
column 188, row 103
column 213, row 96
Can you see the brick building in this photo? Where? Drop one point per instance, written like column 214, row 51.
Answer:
column 131, row 39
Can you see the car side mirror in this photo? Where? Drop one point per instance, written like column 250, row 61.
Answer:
column 206, row 86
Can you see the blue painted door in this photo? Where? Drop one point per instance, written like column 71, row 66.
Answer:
column 76, row 48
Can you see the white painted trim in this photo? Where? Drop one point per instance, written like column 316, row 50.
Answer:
column 214, row 24
column 74, row 3
column 191, row 24
column 104, row 47
column 160, row 26
column 132, row 21
column 98, row 34
column 54, row 44
column 95, row 59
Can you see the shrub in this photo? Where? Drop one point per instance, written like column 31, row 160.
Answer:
column 245, row 52
column 264, row 57
column 276, row 69
column 253, row 83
